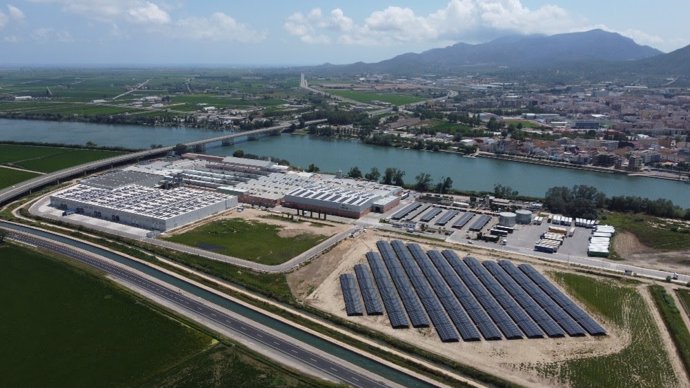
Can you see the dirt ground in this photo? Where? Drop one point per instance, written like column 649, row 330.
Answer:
column 317, row 284
column 633, row 251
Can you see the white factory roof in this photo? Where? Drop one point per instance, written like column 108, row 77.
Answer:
column 248, row 162
column 145, row 201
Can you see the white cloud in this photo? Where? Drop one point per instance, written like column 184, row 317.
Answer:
column 467, row 20
column 642, row 37
column 3, row 19
column 51, row 35
column 11, row 39
column 148, row 13
column 15, row 13
column 217, row 27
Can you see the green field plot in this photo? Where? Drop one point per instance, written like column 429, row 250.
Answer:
column 674, row 322
column 248, row 240
column 10, row 177
column 368, row 97
column 661, row 234
column 192, row 102
column 65, row 327
column 643, row 363
column 49, row 159
column 684, row 296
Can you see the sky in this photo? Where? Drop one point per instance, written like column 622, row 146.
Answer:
column 304, row 32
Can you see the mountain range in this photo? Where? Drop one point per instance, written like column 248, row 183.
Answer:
column 595, row 53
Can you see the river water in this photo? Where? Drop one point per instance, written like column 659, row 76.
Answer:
column 477, row 174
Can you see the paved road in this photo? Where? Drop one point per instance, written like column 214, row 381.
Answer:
column 288, row 348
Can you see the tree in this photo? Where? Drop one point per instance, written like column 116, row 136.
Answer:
column 354, row 173
column 444, row 185
column 393, row 176
column 373, row 174
column 313, row 168
column 3, row 235
column 507, row 192
column 180, row 149
column 398, row 178
column 387, row 178
column 238, row 154
column 423, row 181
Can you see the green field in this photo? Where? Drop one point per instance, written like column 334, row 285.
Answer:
column 248, row 240
column 368, row 97
column 10, row 177
column 65, row 327
column 653, row 232
column 643, row 363
column 49, row 159
column 674, row 323
column 684, row 296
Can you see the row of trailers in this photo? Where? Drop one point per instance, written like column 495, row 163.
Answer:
column 462, row 298
column 429, row 213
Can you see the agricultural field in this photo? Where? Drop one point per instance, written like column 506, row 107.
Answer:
column 65, row 327
column 369, row 97
column 247, row 239
column 684, row 296
column 674, row 322
column 10, row 177
column 49, row 158
column 656, row 233
column 642, row 363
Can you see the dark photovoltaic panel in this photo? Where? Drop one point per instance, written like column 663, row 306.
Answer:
column 550, row 327
column 447, row 216
column 413, row 214
column 552, row 308
column 407, row 294
column 495, row 311
column 391, row 300
column 406, row 210
column 463, row 220
column 372, row 301
column 506, row 301
column 589, row 324
column 437, row 314
column 353, row 305
column 455, row 311
column 431, row 214
column 485, row 325
column 480, row 223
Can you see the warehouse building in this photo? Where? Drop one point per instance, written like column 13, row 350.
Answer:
column 143, row 207
column 327, row 198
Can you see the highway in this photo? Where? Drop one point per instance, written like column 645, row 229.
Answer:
column 288, row 346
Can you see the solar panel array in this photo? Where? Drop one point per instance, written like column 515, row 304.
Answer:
column 517, row 313
column 447, row 216
column 472, row 307
column 372, row 301
column 428, row 216
column 406, row 210
column 437, row 313
column 592, row 327
column 463, row 220
column 496, row 312
column 391, row 300
column 353, row 305
column 462, row 298
column 480, row 223
column 552, row 308
column 407, row 294
column 550, row 327
column 457, row 314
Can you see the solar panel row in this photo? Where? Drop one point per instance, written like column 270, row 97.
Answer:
column 506, row 301
column 428, row 216
column 463, row 220
column 485, row 325
column 455, row 311
column 391, row 300
column 437, row 314
column 372, row 301
column 413, row 214
column 447, row 216
column 406, row 210
column 589, row 324
column 353, row 305
column 552, row 308
column 495, row 311
column 409, row 298
column 550, row 327
column 480, row 223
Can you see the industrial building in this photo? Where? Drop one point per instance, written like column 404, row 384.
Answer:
column 326, row 199
column 141, row 206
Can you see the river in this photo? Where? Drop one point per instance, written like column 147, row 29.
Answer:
column 476, row 174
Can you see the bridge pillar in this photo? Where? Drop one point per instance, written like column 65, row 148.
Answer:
column 252, row 138
column 199, row 148
column 228, row 142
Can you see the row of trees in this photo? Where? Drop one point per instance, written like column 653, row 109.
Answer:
column 394, row 176
column 586, row 202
